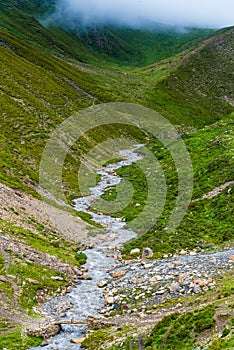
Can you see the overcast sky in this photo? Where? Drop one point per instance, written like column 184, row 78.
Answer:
column 203, row 13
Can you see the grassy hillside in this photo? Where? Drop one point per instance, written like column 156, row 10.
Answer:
column 96, row 45
column 39, row 91
column 135, row 47
column 208, row 221
column 49, row 74
column 203, row 81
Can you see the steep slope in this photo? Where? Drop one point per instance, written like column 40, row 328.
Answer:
column 40, row 90
column 202, row 83
column 96, row 45
column 43, row 82
column 139, row 47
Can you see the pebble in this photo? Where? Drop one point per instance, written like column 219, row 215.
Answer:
column 135, row 251
column 102, row 284
column 118, row 274
column 109, row 300
column 56, row 278
column 78, row 340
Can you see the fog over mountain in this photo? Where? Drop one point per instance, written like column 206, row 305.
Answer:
column 138, row 13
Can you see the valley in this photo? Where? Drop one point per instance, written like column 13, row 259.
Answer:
column 181, row 296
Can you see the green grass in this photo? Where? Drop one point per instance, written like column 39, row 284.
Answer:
column 18, row 341
column 46, row 76
column 45, row 241
column 24, row 270
column 178, row 331
column 38, row 93
column 121, row 48
column 207, row 221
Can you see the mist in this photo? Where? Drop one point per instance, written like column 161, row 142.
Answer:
column 142, row 13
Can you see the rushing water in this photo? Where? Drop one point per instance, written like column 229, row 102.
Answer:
column 86, row 298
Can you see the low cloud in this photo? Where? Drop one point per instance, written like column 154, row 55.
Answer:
column 138, row 13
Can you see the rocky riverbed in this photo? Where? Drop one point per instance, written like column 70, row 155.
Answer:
column 109, row 284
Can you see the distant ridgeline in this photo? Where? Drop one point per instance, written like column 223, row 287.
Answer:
column 118, row 45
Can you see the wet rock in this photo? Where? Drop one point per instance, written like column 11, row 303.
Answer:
column 83, row 270
column 113, row 247
column 85, row 277
column 127, row 262
column 118, row 274
column 77, row 340
column 147, row 253
column 156, row 278
column 109, row 300
column 102, row 284
column 196, row 289
column 183, row 252
column 148, row 266
column 117, row 306
column 174, row 287
column 135, row 251
column 192, row 253
column 136, row 280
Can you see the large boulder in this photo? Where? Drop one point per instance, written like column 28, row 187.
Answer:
column 147, row 253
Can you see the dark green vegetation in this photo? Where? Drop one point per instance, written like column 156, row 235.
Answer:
column 47, row 74
column 208, row 222
column 39, row 91
column 97, row 45
column 180, row 330
column 15, row 341
column 129, row 47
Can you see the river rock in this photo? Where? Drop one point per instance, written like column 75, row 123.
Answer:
column 156, row 278
column 196, row 289
column 174, row 287
column 148, row 266
column 192, row 253
column 147, row 253
column 118, row 274
column 46, row 330
column 44, row 343
column 109, row 300
column 85, row 277
column 77, row 340
column 102, row 284
column 135, row 251
column 183, row 252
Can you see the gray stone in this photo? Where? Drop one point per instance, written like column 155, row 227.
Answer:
column 147, row 253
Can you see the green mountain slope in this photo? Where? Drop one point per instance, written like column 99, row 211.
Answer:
column 203, row 79
column 96, row 45
column 47, row 74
